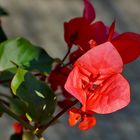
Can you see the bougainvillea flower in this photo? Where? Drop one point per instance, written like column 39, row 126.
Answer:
column 96, row 80
column 80, row 31
column 86, row 121
column 89, row 12
column 77, row 31
column 57, row 79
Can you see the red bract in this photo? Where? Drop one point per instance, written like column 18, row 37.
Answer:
column 87, row 121
column 89, row 12
column 128, row 46
column 96, row 80
column 17, row 127
column 79, row 31
column 111, row 31
column 98, row 34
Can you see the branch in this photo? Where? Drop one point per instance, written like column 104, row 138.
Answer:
column 57, row 116
column 4, row 102
column 25, row 124
column 13, row 115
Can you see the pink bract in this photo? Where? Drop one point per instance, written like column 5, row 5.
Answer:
column 96, row 80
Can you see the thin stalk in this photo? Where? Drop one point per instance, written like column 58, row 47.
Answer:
column 66, row 55
column 3, row 101
column 67, row 64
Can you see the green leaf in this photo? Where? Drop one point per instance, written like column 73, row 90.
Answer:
column 23, row 53
column 18, row 79
column 5, row 77
column 43, row 63
column 19, row 51
column 39, row 99
column 18, row 106
column 28, row 117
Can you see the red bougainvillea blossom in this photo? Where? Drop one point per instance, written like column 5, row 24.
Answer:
column 86, row 119
column 96, row 81
column 81, row 30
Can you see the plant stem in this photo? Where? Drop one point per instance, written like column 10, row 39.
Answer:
column 66, row 55
column 13, row 115
column 25, row 124
column 4, row 102
column 67, row 64
column 57, row 116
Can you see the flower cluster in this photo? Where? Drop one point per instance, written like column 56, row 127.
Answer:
column 96, row 79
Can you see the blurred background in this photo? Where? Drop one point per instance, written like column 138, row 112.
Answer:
column 41, row 21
